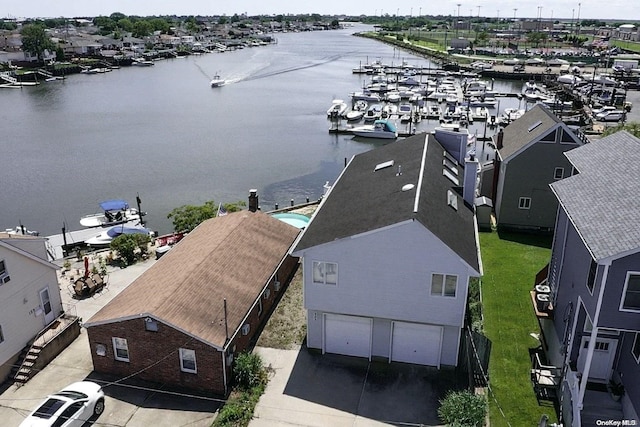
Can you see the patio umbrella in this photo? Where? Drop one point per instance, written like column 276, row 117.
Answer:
column 86, row 267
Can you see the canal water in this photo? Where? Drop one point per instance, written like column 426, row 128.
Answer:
column 162, row 132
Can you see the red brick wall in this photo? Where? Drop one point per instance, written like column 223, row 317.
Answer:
column 146, row 348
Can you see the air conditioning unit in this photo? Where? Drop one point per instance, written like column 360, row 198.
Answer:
column 267, row 293
column 276, row 285
column 246, row 328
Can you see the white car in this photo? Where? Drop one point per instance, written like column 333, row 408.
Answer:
column 70, row 407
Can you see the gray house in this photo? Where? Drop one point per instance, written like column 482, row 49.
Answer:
column 590, row 317
column 389, row 253
column 530, row 157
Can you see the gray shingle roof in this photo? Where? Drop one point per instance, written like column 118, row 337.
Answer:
column 516, row 135
column 363, row 200
column 602, row 200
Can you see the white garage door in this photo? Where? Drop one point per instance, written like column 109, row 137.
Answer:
column 416, row 343
column 348, row 335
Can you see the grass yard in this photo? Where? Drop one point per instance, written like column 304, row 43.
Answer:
column 511, row 262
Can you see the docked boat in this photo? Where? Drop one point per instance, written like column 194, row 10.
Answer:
column 433, row 111
column 141, row 62
column 380, row 129
column 113, row 212
column 217, row 81
column 106, row 237
column 405, row 110
column 338, row 108
column 374, row 112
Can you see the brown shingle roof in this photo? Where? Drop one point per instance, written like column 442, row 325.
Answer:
column 230, row 257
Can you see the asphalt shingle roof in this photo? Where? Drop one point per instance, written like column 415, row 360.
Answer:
column 363, row 199
column 230, row 257
column 517, row 135
column 602, row 199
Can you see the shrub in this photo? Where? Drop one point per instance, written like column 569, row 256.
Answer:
column 248, row 371
column 463, row 409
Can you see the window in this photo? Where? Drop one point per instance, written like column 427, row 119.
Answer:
column 150, row 324
column 67, row 414
column 259, row 306
column 631, row 295
column 524, row 203
column 188, row 360
column 444, row 285
column 558, row 173
column 4, row 275
column 1, row 335
column 635, row 350
column 325, row 273
column 591, row 279
column 120, row 349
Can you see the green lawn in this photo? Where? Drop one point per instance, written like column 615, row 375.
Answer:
column 511, row 262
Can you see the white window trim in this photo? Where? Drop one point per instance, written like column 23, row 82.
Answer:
column 624, row 292
column 184, row 351
column 324, row 282
column 115, row 349
column 555, row 173
column 635, row 340
column 259, row 306
column 524, row 201
column 444, row 282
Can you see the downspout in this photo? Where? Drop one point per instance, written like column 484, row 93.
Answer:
column 224, row 370
column 592, row 339
column 562, row 254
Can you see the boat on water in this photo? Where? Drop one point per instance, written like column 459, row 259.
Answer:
column 141, row 62
column 380, row 129
column 338, row 108
column 217, row 81
column 106, row 237
column 114, row 212
column 374, row 112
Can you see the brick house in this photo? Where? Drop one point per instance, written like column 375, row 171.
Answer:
column 182, row 321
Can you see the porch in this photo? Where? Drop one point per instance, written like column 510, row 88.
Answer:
column 598, row 403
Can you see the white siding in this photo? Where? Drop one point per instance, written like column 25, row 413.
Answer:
column 20, row 316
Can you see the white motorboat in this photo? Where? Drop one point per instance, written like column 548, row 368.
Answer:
column 405, row 110
column 381, row 129
column 217, row 81
column 106, row 237
column 433, row 111
column 113, row 212
column 374, row 112
column 354, row 115
column 366, row 96
column 338, row 108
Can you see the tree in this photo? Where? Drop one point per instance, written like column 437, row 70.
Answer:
column 461, row 408
column 632, row 127
column 35, row 40
column 125, row 24
column 187, row 217
column 535, row 38
column 142, row 29
column 129, row 245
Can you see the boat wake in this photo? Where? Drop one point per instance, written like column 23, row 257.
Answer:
column 293, row 68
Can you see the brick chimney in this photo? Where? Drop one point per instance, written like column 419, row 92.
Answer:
column 253, row 200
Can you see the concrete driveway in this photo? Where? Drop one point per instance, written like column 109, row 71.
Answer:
column 310, row 389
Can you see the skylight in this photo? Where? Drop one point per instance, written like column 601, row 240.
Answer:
column 384, row 165
column 533, row 126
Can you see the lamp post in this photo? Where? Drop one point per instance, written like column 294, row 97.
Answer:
column 458, row 19
column 578, row 20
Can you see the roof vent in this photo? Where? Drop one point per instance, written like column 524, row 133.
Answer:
column 384, row 165
column 452, row 178
column 407, row 187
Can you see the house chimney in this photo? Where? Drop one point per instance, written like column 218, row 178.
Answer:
column 470, row 179
column 253, row 200
column 500, row 138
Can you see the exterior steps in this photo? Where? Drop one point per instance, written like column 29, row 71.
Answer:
column 26, row 362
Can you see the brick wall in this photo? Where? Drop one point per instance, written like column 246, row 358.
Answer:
column 146, row 348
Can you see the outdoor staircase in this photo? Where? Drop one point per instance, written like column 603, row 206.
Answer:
column 45, row 73
column 23, row 370
column 9, row 78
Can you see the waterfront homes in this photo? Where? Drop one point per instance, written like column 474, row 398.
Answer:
column 182, row 322
column 588, row 297
column 530, row 157
column 29, row 295
column 389, row 253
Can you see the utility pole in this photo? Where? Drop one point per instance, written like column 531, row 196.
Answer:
column 458, row 19
column 578, row 23
column 479, row 11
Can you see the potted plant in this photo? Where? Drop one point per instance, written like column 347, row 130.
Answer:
column 616, row 389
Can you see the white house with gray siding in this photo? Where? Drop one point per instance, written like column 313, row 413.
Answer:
column 388, row 255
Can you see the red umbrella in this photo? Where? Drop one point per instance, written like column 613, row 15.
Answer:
column 86, row 267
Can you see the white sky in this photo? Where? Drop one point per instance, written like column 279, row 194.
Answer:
column 547, row 9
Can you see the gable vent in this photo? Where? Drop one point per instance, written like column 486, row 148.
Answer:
column 245, row 329
column 384, row 165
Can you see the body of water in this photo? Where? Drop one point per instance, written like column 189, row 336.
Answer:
column 163, row 133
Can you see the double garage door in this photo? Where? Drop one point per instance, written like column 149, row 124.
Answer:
column 410, row 342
